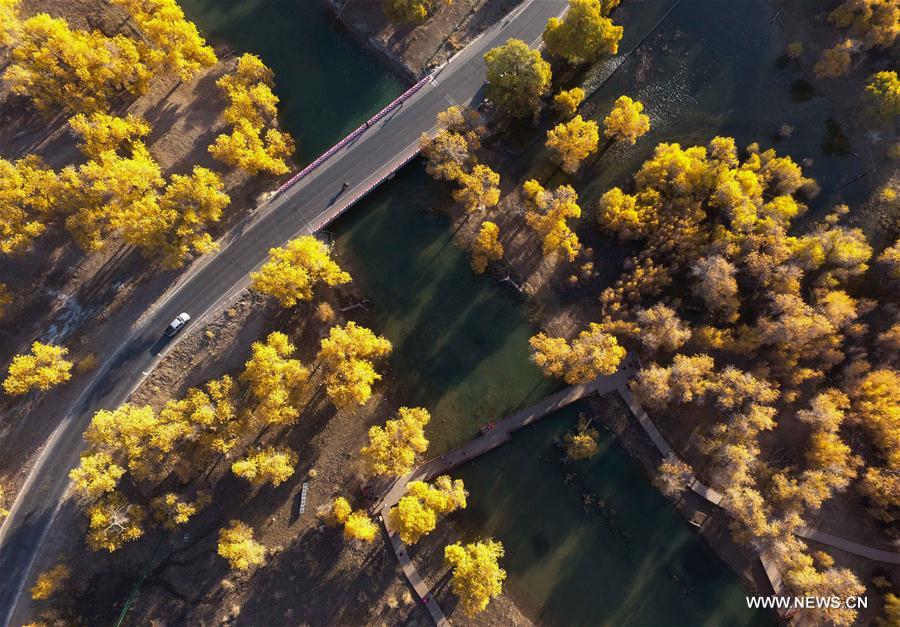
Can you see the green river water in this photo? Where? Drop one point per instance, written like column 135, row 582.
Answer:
column 460, row 341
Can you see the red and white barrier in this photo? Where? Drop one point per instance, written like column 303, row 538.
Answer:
column 356, row 133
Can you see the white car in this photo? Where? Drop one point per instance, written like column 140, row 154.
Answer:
column 176, row 324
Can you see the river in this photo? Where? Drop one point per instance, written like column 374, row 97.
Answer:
column 460, row 340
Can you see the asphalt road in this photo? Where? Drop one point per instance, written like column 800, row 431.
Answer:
column 303, row 208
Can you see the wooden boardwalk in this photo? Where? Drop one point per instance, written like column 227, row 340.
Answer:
column 500, row 432
column 491, row 437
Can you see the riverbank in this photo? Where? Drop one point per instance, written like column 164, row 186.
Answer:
column 415, row 49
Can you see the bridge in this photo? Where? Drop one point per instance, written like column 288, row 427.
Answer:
column 311, row 200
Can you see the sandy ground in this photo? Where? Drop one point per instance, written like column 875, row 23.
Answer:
column 416, row 49
column 312, row 575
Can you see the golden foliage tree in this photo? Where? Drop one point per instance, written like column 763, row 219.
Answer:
column 170, row 40
column 138, row 435
column 593, row 353
column 572, row 142
column 517, row 78
column 101, row 132
column 28, row 194
column 96, row 474
column 477, row 576
column 883, row 90
column 394, row 448
column 253, row 145
column 486, row 247
column 449, row 152
column 567, row 101
column 346, row 356
column 478, row 189
column 269, row 465
column 294, row 269
column 189, row 206
column 626, row 122
column 882, row 487
column 275, row 380
column 835, row 61
column 410, row 11
column 56, row 66
column 10, row 23
column 114, row 194
column 236, row 544
column 547, row 213
column 674, row 476
column 416, row 513
column 662, row 329
column 41, row 369
column 113, row 521
column 357, row 524
column 875, row 22
column 876, row 404
column 582, row 444
column 584, row 33
column 716, row 286
column 170, row 510
column 49, row 582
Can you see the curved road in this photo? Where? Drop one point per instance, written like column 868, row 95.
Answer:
column 303, row 208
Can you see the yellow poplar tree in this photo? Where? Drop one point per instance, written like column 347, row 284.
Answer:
column 56, row 66
column 292, row 270
column 114, row 194
column 477, row 576
column 113, row 521
column 884, row 91
column 253, row 145
column 42, row 369
column 547, row 212
column 393, row 449
column 583, row 443
column 359, row 526
column 173, row 40
column 583, row 34
column 101, row 132
column 593, row 353
column 626, row 122
column 346, row 356
column 517, row 77
column 835, row 61
column 10, row 24
column 567, row 101
column 189, row 205
column 416, row 513
column 573, row 141
column 170, row 510
column 236, row 544
column 49, row 582
column 28, row 192
column 486, row 247
column 269, row 465
column 96, row 475
column 875, row 22
column 275, row 380
column 479, row 188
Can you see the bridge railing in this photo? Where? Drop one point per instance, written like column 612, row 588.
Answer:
column 396, row 102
